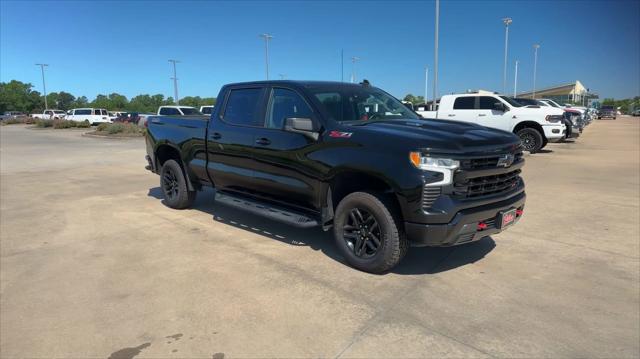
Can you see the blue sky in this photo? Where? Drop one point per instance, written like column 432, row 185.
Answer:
column 102, row 47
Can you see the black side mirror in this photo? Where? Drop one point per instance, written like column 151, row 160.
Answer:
column 499, row 106
column 303, row 126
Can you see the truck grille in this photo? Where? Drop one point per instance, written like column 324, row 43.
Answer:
column 485, row 162
column 487, row 185
column 429, row 195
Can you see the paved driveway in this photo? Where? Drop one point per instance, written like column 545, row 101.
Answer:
column 93, row 265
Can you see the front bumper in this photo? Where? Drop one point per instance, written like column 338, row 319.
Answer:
column 554, row 133
column 464, row 226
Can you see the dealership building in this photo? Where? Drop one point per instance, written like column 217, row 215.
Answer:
column 574, row 92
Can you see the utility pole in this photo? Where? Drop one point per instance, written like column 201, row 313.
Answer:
column 267, row 38
column 44, row 87
column 175, row 82
column 435, row 58
column 515, row 82
column 507, row 21
column 535, row 67
column 353, row 68
column 426, row 85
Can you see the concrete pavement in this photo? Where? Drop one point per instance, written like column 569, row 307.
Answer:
column 93, row 265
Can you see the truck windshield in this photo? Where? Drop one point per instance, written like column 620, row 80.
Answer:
column 355, row 104
column 190, row 111
column 511, row 102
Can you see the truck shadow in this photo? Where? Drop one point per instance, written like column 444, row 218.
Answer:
column 419, row 260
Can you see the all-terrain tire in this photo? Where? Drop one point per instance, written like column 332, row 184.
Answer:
column 532, row 140
column 393, row 244
column 174, row 186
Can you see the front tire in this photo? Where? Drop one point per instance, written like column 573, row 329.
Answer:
column 174, row 186
column 368, row 232
column 531, row 139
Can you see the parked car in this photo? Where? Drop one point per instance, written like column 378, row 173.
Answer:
column 635, row 112
column 607, row 112
column 529, row 102
column 92, row 115
column 50, row 115
column 10, row 115
column 206, row 110
column 178, row 111
column 534, row 127
column 128, row 117
column 347, row 157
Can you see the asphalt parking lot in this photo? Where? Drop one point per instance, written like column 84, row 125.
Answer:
column 93, row 265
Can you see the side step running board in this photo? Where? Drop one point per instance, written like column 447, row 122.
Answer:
column 276, row 213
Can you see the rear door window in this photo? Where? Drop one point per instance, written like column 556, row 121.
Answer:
column 464, row 103
column 242, row 107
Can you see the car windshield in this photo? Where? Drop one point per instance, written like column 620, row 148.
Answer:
column 607, row 108
column 511, row 101
column 190, row 111
column 359, row 103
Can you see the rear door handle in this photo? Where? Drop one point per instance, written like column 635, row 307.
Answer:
column 482, row 114
column 263, row 141
column 451, row 115
column 216, row 136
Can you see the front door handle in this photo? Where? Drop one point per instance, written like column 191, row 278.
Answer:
column 263, row 141
column 451, row 115
column 482, row 114
column 216, row 136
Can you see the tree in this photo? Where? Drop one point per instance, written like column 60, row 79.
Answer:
column 18, row 96
column 81, row 101
column 101, row 101
column 117, row 102
column 414, row 99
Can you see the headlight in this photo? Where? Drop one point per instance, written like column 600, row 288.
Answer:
column 446, row 166
column 553, row 118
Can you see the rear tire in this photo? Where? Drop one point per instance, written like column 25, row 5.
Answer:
column 531, row 139
column 174, row 186
column 369, row 233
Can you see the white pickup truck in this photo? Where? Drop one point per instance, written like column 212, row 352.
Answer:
column 178, row 111
column 535, row 126
column 50, row 115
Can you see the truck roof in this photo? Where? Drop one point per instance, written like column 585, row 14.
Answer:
column 301, row 83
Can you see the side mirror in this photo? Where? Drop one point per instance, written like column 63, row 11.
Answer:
column 303, row 126
column 499, row 106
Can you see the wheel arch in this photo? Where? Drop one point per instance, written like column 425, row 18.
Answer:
column 529, row 124
column 166, row 151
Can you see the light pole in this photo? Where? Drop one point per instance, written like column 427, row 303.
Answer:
column 44, row 87
column 267, row 38
column 426, row 85
column 175, row 82
column 515, row 82
column 353, row 68
column 507, row 21
column 342, row 65
column 535, row 67
column 435, row 58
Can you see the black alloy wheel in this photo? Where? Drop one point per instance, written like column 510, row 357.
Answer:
column 170, row 184
column 361, row 233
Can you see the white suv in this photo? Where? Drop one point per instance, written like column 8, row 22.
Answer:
column 536, row 126
column 92, row 115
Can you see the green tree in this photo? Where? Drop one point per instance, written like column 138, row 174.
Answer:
column 117, row 102
column 81, row 101
column 101, row 101
column 19, row 96
column 414, row 99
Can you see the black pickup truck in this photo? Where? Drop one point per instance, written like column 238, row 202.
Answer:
column 347, row 157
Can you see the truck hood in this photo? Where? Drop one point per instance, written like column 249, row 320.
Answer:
column 538, row 110
column 439, row 136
